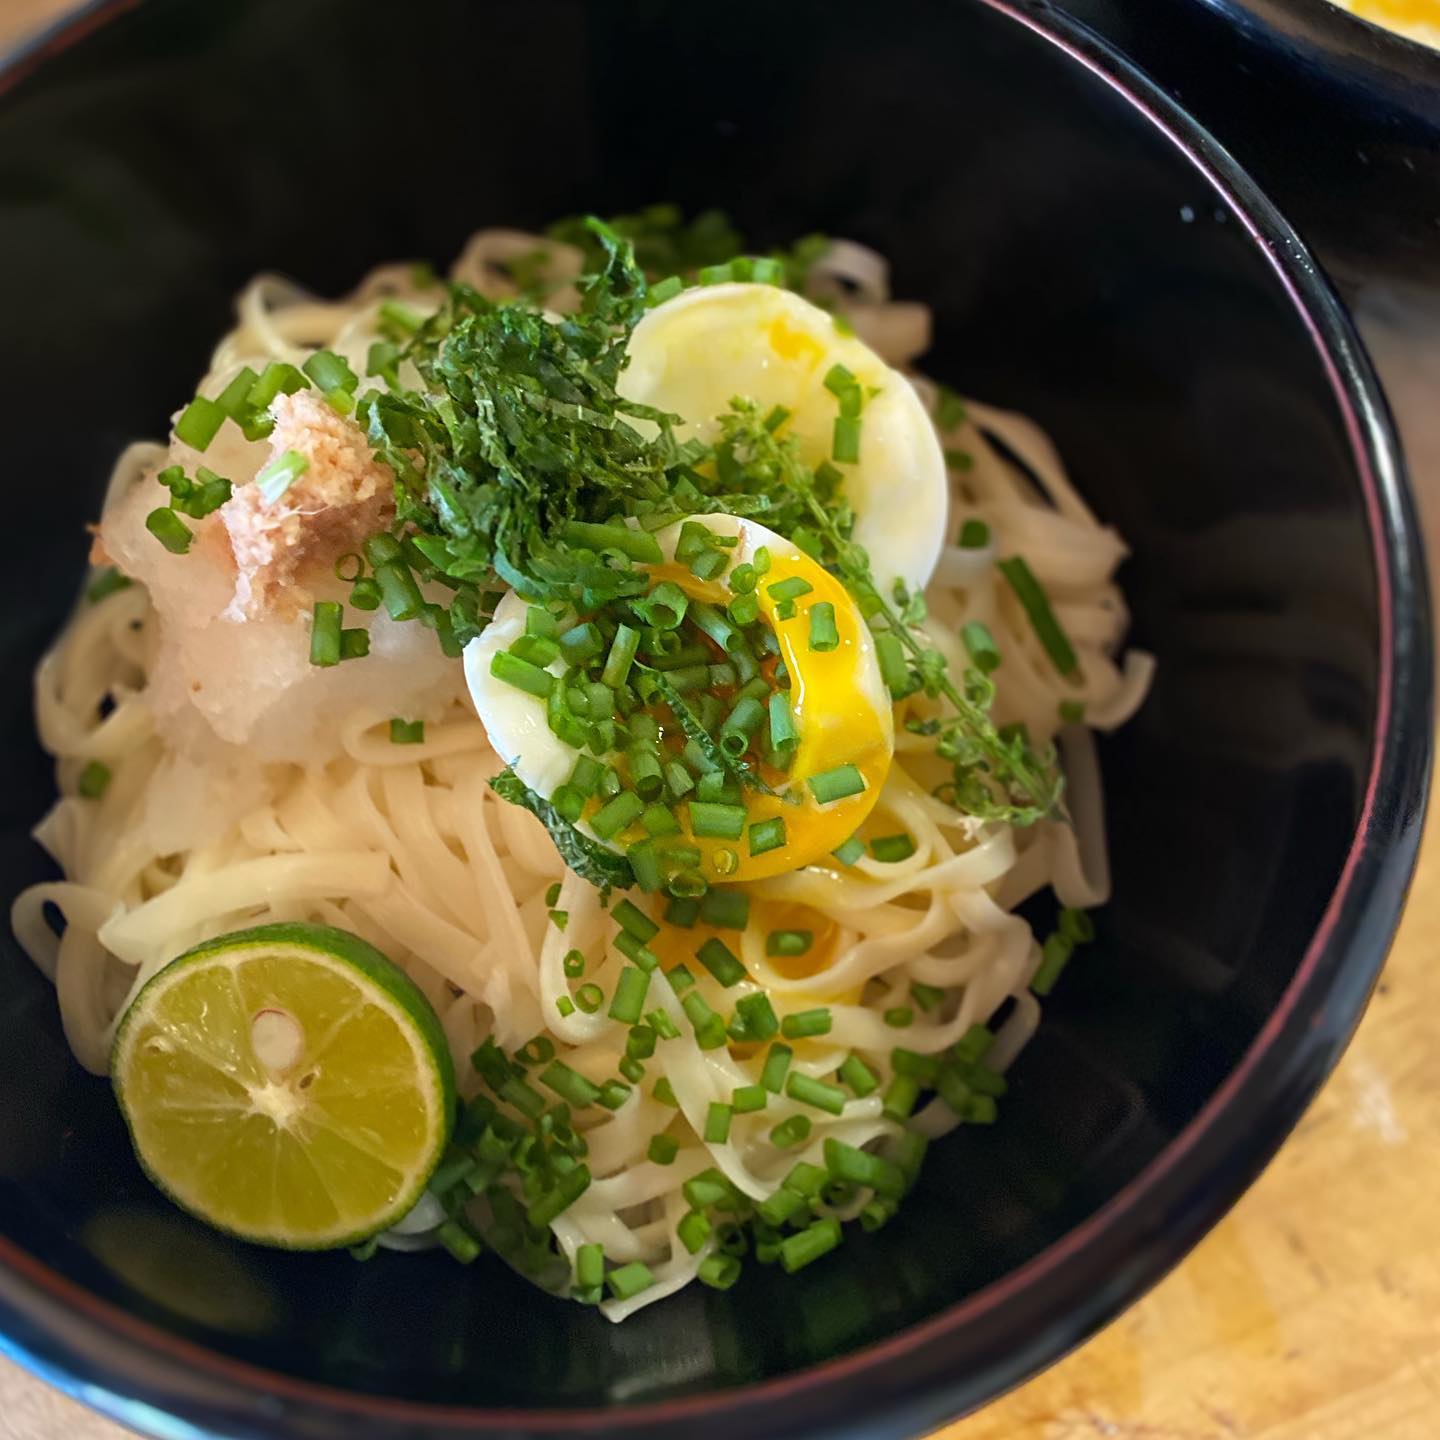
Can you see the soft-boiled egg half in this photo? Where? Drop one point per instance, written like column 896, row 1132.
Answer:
column 693, row 354
column 839, row 707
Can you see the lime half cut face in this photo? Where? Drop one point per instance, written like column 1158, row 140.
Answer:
column 287, row 1084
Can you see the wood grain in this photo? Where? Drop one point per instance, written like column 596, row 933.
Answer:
column 1313, row 1311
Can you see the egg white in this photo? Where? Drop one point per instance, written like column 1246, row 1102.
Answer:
column 691, row 355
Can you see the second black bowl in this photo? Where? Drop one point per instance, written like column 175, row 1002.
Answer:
column 1093, row 259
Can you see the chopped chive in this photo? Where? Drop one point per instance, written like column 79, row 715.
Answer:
column 809, row 1091
column 726, row 909
column 789, row 1133
column 823, row 634
column 613, row 816
column 748, row 1098
column 645, row 862
column 974, row 535
column 767, row 835
column 94, row 780
column 860, row 1167
column 1055, row 955
column 365, row 594
column 924, row 1068
column 582, row 643
column 325, row 633
column 663, row 1090
column 1072, row 712
column 717, row 1123
column 981, row 645
column 709, row 1027
column 900, row 1097
column 640, row 1042
column 718, row 822
column 840, row 381
column 680, row 978
column 720, row 962
column 777, row 1066
column 837, row 784
column 845, row 444
column 851, row 851
column 719, row 1272
column 630, row 1280
column 927, row 997
column 570, row 1085
column 634, row 544
column 744, row 609
column 566, row 1006
column 234, row 399
column 861, row 1079
column 628, row 1003
column 974, row 1045
column 280, row 474
column 782, row 1207
column 693, row 1231
column 400, row 594
column 1036, row 605
column 613, row 1094
column 708, row 564
column 900, row 1017
column 806, row 1023
column 522, row 675
column 1076, row 925
column 782, row 720
column 573, row 964
column 755, row 1019
column 539, row 650
column 894, row 670
column 959, row 459
column 169, row 529
column 330, row 372
column 707, row 1190
column 635, row 949
column 622, row 653
column 714, row 624
column 589, row 998
column 200, row 423
column 806, row 1180
column 789, row 942
column 744, row 719
column 892, row 848
column 683, row 912
column 105, row 583
column 634, row 921
column 406, row 732
column 590, row 1265
column 791, row 589
column 461, row 1244
column 663, row 1149
column 660, row 1022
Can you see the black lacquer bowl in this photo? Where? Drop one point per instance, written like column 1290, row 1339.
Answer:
column 1337, row 118
column 1093, row 259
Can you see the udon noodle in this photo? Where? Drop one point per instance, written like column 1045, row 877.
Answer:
column 200, row 832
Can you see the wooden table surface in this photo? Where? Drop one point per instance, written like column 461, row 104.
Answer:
column 1313, row 1311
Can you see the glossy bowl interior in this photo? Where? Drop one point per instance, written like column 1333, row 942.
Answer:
column 1138, row 299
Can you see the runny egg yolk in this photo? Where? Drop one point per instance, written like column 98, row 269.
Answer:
column 841, row 708
column 841, row 712
column 1419, row 19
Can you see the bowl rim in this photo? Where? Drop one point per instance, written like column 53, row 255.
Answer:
column 931, row 1372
